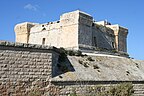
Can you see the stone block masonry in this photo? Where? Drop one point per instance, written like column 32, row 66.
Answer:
column 72, row 30
column 23, row 64
column 32, row 70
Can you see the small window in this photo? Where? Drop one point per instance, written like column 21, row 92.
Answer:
column 43, row 41
column 113, row 45
column 92, row 24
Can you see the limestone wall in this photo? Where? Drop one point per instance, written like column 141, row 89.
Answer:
column 22, row 31
column 63, row 33
column 104, row 37
column 22, row 66
column 85, row 29
column 51, row 33
column 120, row 37
column 123, row 39
column 32, row 70
column 93, row 88
column 72, row 30
column 69, row 30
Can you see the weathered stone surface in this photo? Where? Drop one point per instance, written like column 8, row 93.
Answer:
column 72, row 30
column 24, row 70
column 20, row 63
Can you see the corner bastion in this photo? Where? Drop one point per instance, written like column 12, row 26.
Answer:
column 29, row 69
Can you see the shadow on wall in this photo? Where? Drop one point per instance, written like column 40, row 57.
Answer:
column 104, row 41
column 63, row 66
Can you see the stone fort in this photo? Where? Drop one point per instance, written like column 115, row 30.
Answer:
column 75, row 30
column 32, row 66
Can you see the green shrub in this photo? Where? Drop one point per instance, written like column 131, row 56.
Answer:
column 114, row 51
column 81, row 62
column 78, row 53
column 123, row 89
column 73, row 92
column 35, row 92
column 70, row 52
column 90, row 59
column 95, row 66
column 137, row 65
column 85, row 64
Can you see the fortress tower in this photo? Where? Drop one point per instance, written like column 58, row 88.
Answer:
column 75, row 30
column 23, row 31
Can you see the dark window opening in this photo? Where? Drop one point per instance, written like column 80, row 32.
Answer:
column 95, row 42
column 92, row 24
column 43, row 41
column 113, row 45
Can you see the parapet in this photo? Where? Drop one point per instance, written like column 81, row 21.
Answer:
column 104, row 23
column 75, row 17
column 46, row 26
column 24, row 27
column 6, row 44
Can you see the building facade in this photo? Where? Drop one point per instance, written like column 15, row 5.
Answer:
column 75, row 30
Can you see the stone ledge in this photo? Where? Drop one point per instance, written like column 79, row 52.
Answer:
column 95, row 82
column 95, row 50
column 25, row 45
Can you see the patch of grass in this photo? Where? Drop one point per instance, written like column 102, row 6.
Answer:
column 90, row 59
column 81, row 62
column 96, row 66
column 123, row 89
column 137, row 65
column 73, row 92
column 35, row 92
column 114, row 51
column 70, row 52
column 78, row 53
column 85, row 64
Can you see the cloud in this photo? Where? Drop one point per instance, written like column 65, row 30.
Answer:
column 31, row 7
